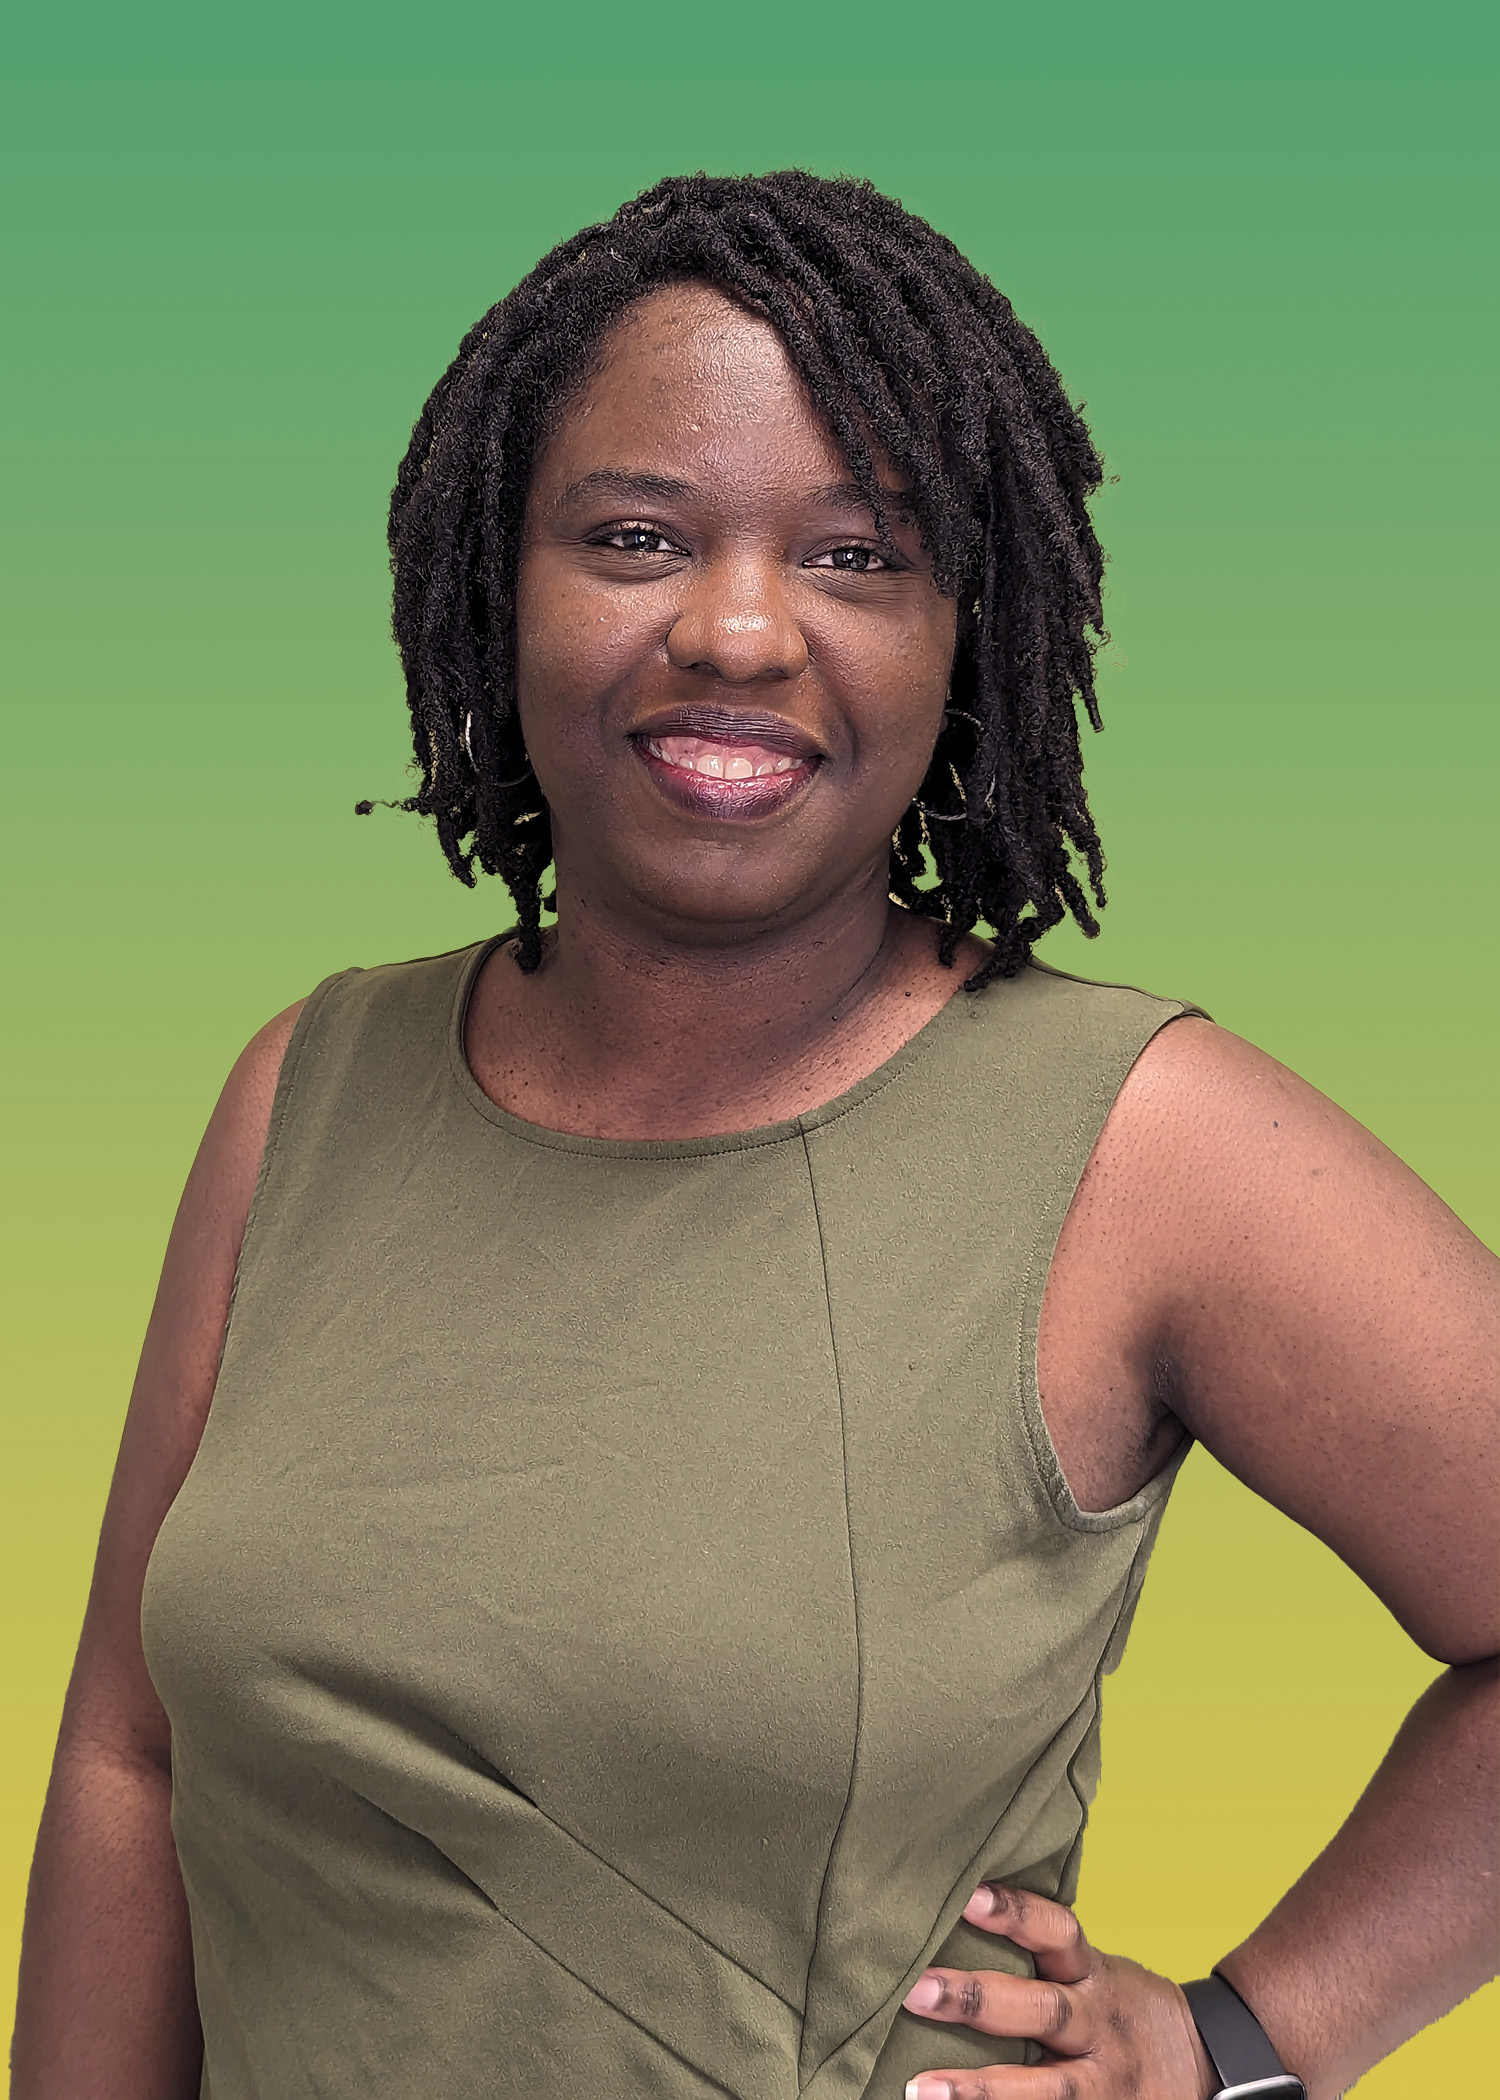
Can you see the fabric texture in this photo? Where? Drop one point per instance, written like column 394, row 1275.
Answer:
column 626, row 1596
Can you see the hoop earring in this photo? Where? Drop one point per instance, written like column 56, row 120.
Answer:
column 937, row 816
column 465, row 738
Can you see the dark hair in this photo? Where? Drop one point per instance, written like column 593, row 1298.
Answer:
column 904, row 347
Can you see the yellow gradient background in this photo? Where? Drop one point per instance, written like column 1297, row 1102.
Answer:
column 242, row 246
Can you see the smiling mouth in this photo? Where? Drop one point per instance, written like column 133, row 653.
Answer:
column 715, row 764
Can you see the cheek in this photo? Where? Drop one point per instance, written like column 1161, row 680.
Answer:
column 556, row 662
column 941, row 643
column 574, row 646
column 547, row 632
column 908, row 691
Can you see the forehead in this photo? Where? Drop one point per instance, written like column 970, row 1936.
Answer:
column 689, row 374
column 701, row 330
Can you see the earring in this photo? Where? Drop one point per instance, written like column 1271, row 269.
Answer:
column 937, row 816
column 466, row 739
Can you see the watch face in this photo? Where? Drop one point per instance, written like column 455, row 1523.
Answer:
column 1283, row 2086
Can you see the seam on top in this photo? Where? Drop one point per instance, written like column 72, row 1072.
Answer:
column 1128, row 1589
column 730, row 1961
column 1186, row 1008
column 939, row 1931
column 1049, row 1466
column 620, row 2011
column 1137, row 1507
column 571, row 1837
column 859, row 1659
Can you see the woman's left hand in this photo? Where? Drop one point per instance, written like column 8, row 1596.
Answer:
column 1107, row 2028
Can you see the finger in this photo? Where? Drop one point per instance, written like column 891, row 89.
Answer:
column 1000, row 2082
column 1048, row 1930
column 1029, row 2007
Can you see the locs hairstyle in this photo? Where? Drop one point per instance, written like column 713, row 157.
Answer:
column 906, row 350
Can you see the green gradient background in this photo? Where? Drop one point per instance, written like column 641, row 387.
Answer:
column 244, row 246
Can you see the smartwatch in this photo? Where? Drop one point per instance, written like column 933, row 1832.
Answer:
column 1245, row 2064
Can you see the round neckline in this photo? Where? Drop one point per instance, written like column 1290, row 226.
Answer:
column 790, row 1130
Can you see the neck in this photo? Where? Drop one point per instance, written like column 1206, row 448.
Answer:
column 751, row 1003
column 628, row 1032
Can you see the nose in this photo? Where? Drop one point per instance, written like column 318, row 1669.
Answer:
column 736, row 624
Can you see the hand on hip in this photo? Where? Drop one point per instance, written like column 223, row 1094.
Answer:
column 1107, row 2028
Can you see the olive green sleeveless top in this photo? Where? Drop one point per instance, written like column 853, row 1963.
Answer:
column 626, row 1596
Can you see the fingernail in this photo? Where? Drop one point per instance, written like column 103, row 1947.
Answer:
column 924, row 1994
column 982, row 1903
column 929, row 2089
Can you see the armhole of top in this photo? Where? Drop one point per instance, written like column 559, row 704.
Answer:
column 285, row 1081
column 1085, row 1135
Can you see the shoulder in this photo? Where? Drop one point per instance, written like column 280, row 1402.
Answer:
column 1224, row 1129
column 1052, row 1050
column 1231, row 1167
column 1315, row 1313
column 210, row 1226
column 1067, row 998
column 1070, row 1023
column 251, row 1084
column 389, row 1003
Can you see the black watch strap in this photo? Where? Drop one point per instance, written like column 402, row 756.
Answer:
column 1244, row 2062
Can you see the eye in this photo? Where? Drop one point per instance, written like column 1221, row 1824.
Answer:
column 850, row 561
column 635, row 539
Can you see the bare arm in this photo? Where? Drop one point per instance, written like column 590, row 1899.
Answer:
column 1246, row 1258
column 106, row 2008
column 1245, row 1262
column 1352, row 1378
column 1396, row 1920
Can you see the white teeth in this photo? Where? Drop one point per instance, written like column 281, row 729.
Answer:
column 715, row 765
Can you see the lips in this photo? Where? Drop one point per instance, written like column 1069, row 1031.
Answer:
column 724, row 762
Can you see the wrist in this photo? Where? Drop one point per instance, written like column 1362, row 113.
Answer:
column 1203, row 2064
column 1241, row 2055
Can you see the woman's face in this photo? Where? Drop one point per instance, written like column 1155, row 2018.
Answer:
column 728, row 692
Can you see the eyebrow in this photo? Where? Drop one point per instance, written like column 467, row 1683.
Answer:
column 618, row 481
column 667, row 488
column 848, row 495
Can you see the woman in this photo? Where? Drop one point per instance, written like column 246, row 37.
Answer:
column 703, row 1380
